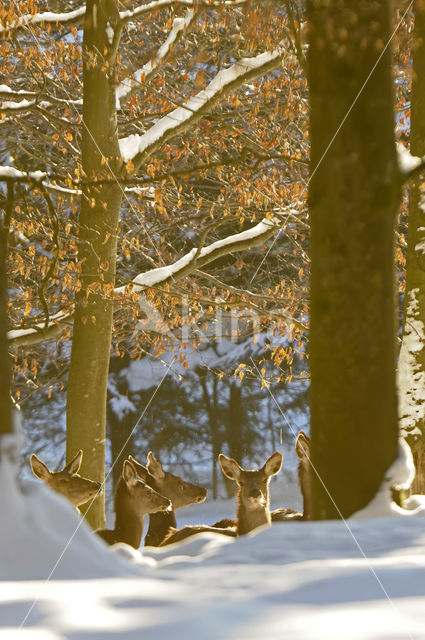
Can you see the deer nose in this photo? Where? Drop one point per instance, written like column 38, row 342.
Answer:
column 203, row 495
column 255, row 494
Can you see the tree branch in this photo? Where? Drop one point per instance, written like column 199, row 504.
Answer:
column 138, row 147
column 129, row 85
column 160, row 276
column 196, row 259
column 77, row 16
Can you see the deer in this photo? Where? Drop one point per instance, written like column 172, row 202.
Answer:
column 67, row 482
column 253, row 501
column 133, row 500
column 177, row 490
column 302, row 449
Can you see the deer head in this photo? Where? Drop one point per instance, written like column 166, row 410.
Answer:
column 302, row 449
column 253, row 490
column 140, row 497
column 67, row 482
column 180, row 492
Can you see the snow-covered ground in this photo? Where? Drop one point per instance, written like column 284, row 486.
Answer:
column 360, row 580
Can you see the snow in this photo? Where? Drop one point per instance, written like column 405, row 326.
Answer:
column 109, row 33
column 4, row 88
column 135, row 144
column 410, row 374
column 361, row 579
column 11, row 172
column 406, row 161
column 23, row 104
column 16, row 334
column 399, row 476
column 155, row 276
column 152, row 6
column 125, row 88
column 47, row 16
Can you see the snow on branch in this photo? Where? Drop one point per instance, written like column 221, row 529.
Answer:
column 40, row 332
column 7, row 172
column 77, row 15
column 7, row 92
column 197, row 258
column 10, row 173
column 137, row 147
column 142, row 75
column 23, row 105
column 129, row 15
column 41, row 18
column 409, row 165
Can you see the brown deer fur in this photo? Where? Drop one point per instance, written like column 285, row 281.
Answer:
column 302, row 448
column 133, row 499
column 177, row 490
column 67, row 482
column 253, row 502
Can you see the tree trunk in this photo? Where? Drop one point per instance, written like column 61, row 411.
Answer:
column 122, row 442
column 411, row 366
column 354, row 193
column 97, row 247
column 234, row 433
column 5, row 412
column 215, row 434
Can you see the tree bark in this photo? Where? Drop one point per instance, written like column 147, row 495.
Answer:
column 5, row 409
column 212, row 410
column 411, row 366
column 354, row 193
column 97, row 248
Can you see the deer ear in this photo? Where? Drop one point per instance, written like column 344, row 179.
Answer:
column 129, row 473
column 75, row 464
column 142, row 472
column 273, row 464
column 39, row 469
column 302, row 446
column 229, row 467
column 155, row 467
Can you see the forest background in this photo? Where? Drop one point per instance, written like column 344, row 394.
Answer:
column 178, row 141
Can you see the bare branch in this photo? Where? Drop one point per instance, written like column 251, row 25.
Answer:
column 53, row 264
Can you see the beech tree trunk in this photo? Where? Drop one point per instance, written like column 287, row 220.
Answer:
column 354, row 194
column 97, row 248
column 411, row 366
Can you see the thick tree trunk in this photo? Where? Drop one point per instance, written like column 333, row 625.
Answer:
column 411, row 367
column 354, row 193
column 99, row 215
